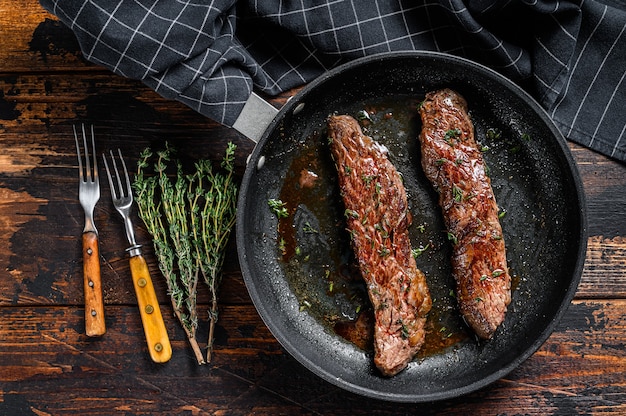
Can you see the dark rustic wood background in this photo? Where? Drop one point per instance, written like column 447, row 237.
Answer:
column 47, row 364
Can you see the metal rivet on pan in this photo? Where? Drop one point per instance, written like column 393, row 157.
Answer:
column 149, row 309
column 158, row 347
column 90, row 283
column 142, row 282
column 260, row 163
column 93, row 312
column 89, row 251
column 298, row 108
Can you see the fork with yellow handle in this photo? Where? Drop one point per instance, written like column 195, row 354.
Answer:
column 154, row 328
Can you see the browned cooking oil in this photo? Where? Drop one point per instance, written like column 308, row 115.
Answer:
column 314, row 246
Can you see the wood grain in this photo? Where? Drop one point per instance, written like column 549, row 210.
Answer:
column 48, row 366
column 92, row 286
column 251, row 372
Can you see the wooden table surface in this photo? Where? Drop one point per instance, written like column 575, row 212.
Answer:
column 49, row 366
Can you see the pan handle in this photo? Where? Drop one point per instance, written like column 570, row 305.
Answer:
column 255, row 118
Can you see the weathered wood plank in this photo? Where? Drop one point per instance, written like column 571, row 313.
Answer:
column 38, row 111
column 48, row 365
column 579, row 369
column 33, row 40
column 604, row 181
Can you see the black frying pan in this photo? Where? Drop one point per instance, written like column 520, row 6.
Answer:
column 299, row 275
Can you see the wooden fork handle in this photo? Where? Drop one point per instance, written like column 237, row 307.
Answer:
column 151, row 318
column 94, row 304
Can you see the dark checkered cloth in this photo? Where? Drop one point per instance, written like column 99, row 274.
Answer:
column 570, row 55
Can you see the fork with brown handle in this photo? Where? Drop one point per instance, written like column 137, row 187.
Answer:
column 88, row 195
column 151, row 318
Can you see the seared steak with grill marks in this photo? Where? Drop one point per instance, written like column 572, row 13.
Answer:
column 454, row 164
column 378, row 218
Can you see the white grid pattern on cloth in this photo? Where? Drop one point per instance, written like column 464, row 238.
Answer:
column 590, row 105
column 210, row 54
column 593, row 83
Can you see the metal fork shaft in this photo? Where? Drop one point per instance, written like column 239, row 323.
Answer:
column 134, row 249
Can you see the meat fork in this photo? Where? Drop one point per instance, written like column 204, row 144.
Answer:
column 89, row 194
column 151, row 318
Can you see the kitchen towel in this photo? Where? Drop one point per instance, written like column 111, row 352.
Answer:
column 210, row 55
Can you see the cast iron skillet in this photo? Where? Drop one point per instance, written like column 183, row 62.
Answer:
column 534, row 178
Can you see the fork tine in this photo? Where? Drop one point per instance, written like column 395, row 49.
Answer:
column 117, row 175
column 129, row 192
column 120, row 191
column 111, row 183
column 80, row 159
column 94, row 172
column 87, row 163
column 86, row 173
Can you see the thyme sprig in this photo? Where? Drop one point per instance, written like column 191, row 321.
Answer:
column 189, row 217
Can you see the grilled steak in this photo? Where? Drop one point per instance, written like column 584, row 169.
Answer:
column 454, row 164
column 378, row 219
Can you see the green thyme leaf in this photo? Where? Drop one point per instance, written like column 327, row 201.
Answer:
column 189, row 217
column 278, row 208
column 416, row 252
